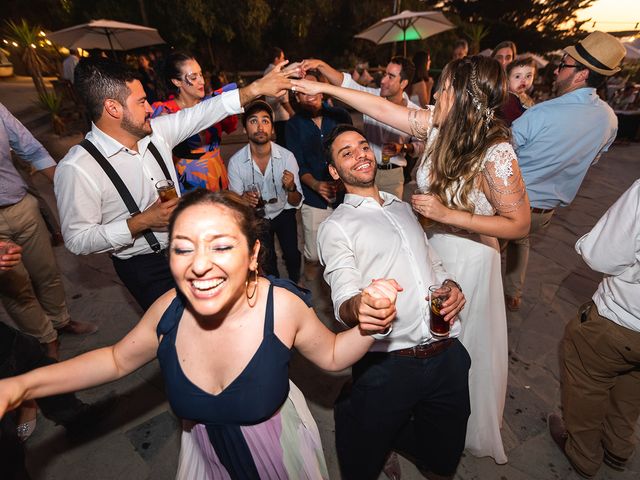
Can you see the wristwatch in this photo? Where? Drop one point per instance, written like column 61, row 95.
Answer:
column 292, row 189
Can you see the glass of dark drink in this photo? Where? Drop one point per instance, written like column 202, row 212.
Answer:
column 438, row 326
column 166, row 190
column 254, row 190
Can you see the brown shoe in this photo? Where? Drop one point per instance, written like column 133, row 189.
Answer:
column 51, row 349
column 78, row 328
column 559, row 436
column 513, row 303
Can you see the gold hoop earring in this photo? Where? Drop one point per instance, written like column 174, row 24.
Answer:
column 252, row 295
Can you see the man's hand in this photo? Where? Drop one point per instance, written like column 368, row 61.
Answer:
column 376, row 307
column 454, row 304
column 10, row 255
column 288, row 180
column 155, row 218
column 251, row 198
column 326, row 190
column 391, row 149
column 273, row 84
column 311, row 64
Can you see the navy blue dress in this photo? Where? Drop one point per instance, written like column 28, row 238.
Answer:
column 247, row 408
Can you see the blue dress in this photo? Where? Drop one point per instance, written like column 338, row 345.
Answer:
column 250, row 430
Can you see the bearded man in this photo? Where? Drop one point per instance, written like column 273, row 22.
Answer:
column 106, row 186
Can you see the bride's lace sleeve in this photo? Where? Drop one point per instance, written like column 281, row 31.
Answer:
column 421, row 122
column 506, row 188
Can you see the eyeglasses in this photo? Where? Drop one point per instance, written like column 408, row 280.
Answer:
column 562, row 65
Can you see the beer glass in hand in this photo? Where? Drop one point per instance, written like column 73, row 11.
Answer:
column 439, row 327
column 166, row 190
column 254, row 190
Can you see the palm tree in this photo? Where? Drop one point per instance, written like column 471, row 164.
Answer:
column 475, row 32
column 26, row 36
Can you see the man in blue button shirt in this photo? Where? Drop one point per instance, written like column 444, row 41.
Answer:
column 305, row 132
column 558, row 140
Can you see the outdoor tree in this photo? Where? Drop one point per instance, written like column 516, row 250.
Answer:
column 26, row 36
column 534, row 25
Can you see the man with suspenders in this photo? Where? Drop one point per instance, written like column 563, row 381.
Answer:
column 105, row 187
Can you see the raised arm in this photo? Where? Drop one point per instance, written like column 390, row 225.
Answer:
column 334, row 76
column 413, row 122
column 317, row 343
column 89, row 369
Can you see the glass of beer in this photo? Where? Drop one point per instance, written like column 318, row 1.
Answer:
column 438, row 326
column 254, row 190
column 166, row 190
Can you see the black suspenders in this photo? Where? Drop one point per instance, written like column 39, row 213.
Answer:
column 122, row 188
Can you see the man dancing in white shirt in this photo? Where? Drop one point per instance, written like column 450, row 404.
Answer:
column 410, row 393
column 94, row 215
column 601, row 347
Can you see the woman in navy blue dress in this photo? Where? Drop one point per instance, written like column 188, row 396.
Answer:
column 223, row 340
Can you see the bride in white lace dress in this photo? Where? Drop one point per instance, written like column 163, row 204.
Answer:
column 474, row 260
column 476, row 194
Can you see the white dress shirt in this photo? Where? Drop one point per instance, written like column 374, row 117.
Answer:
column 243, row 171
column 613, row 248
column 362, row 241
column 92, row 213
column 378, row 133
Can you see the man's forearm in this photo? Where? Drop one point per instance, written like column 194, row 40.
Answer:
column 137, row 224
column 349, row 311
column 48, row 172
column 248, row 93
column 334, row 76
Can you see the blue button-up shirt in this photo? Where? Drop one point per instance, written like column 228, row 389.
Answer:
column 14, row 136
column 556, row 141
column 305, row 139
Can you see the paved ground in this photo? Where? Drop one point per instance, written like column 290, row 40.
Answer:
column 140, row 438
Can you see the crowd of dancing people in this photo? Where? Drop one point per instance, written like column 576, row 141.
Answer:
column 444, row 180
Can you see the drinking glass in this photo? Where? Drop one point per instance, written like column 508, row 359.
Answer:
column 166, row 190
column 438, row 326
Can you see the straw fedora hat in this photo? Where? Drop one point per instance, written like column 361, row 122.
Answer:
column 599, row 52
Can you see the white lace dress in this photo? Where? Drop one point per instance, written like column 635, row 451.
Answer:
column 475, row 262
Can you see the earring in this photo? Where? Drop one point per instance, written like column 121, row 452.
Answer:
column 254, row 283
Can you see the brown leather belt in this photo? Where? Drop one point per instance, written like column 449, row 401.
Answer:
column 388, row 166
column 425, row 351
column 542, row 210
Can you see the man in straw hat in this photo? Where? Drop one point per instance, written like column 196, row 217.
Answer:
column 557, row 140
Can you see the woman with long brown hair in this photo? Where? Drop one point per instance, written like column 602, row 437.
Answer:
column 475, row 194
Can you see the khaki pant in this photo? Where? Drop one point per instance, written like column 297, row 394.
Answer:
column 32, row 292
column 311, row 219
column 518, row 255
column 600, row 390
column 391, row 181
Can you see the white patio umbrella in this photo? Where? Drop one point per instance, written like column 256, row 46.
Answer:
column 106, row 35
column 406, row 26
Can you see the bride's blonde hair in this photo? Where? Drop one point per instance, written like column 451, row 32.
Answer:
column 472, row 126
